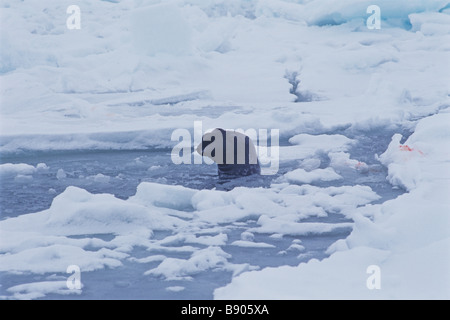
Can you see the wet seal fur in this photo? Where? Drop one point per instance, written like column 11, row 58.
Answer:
column 234, row 153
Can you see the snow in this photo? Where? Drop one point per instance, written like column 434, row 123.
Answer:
column 179, row 50
column 306, row 146
column 76, row 212
column 274, row 225
column 55, row 258
column 247, row 236
column 322, row 141
column 16, row 169
column 405, row 161
column 175, row 197
column 342, row 161
column 176, row 269
column 21, row 172
column 148, row 259
column 338, row 12
column 297, row 247
column 161, row 29
column 251, row 244
column 302, row 176
column 44, row 241
column 430, row 23
column 218, row 240
column 61, row 174
column 408, row 238
column 100, row 178
column 137, row 71
column 36, row 290
column 175, row 288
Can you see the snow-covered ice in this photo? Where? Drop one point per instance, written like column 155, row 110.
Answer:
column 16, row 169
column 408, row 237
column 303, row 176
column 87, row 179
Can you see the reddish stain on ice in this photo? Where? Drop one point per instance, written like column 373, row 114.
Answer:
column 407, row 148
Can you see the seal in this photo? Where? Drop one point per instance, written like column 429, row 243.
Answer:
column 234, row 153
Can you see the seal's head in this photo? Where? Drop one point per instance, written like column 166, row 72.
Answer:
column 208, row 139
column 234, row 152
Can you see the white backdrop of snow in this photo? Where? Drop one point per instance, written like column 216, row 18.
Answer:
column 95, row 87
column 137, row 70
column 408, row 237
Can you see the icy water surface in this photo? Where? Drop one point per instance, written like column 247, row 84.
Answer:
column 120, row 172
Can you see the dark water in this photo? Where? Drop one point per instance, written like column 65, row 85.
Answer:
column 123, row 171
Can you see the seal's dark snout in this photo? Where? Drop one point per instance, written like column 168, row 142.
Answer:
column 206, row 143
column 212, row 138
